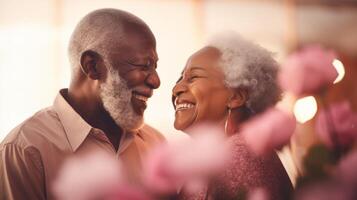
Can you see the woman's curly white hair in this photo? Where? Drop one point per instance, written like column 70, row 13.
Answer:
column 249, row 66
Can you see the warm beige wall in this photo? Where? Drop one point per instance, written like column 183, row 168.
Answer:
column 28, row 78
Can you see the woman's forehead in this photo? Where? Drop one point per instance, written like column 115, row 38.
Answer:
column 206, row 53
column 204, row 59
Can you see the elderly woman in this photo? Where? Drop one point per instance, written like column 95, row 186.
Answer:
column 227, row 82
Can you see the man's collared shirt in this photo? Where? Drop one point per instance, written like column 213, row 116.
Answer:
column 33, row 152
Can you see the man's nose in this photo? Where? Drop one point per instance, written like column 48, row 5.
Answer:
column 153, row 80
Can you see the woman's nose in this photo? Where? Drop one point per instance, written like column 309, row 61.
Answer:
column 179, row 88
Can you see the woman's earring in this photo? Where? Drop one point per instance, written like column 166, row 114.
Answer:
column 229, row 127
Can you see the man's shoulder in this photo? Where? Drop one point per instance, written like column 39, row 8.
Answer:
column 148, row 132
column 33, row 130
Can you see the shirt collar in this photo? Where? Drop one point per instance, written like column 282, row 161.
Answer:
column 126, row 140
column 74, row 125
column 77, row 129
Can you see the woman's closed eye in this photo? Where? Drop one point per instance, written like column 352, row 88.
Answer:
column 195, row 77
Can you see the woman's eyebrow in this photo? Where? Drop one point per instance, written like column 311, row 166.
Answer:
column 191, row 69
column 180, row 76
column 197, row 68
column 179, row 79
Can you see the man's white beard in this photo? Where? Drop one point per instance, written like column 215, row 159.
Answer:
column 116, row 97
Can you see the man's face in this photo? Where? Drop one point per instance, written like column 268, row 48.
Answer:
column 131, row 79
column 201, row 95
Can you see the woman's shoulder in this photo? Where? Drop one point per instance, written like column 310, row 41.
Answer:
column 249, row 164
column 246, row 170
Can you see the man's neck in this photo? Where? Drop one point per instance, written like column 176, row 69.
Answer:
column 95, row 115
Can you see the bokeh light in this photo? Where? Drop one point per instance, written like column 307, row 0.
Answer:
column 305, row 109
column 340, row 70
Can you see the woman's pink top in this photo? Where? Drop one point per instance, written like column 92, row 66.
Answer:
column 244, row 173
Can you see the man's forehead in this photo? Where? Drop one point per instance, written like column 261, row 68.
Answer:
column 139, row 34
column 135, row 54
column 133, row 45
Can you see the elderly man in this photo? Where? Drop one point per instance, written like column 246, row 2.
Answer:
column 113, row 59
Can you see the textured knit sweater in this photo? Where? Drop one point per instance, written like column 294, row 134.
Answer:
column 244, row 173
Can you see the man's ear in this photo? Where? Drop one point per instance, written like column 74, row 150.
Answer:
column 239, row 97
column 90, row 64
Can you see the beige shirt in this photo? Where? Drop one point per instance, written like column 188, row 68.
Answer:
column 33, row 152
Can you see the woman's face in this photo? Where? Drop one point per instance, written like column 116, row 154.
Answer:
column 200, row 94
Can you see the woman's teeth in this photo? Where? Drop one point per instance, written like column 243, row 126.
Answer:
column 184, row 106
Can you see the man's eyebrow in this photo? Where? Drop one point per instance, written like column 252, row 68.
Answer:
column 156, row 58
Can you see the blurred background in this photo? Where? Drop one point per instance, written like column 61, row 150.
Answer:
column 34, row 36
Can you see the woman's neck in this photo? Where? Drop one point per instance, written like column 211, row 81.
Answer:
column 235, row 118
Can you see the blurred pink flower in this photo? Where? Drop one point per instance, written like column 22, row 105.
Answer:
column 307, row 71
column 127, row 192
column 331, row 190
column 96, row 175
column 340, row 119
column 258, row 194
column 193, row 159
column 269, row 130
column 158, row 176
column 346, row 170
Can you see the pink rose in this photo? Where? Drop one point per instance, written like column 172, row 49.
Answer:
column 269, row 130
column 96, row 175
column 339, row 120
column 331, row 190
column 258, row 194
column 341, row 186
column 128, row 192
column 188, row 161
column 346, row 170
column 307, row 71
column 158, row 176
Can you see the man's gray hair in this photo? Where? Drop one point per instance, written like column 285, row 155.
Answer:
column 99, row 31
column 250, row 66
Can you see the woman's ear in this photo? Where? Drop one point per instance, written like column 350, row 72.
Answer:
column 239, row 97
column 90, row 63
